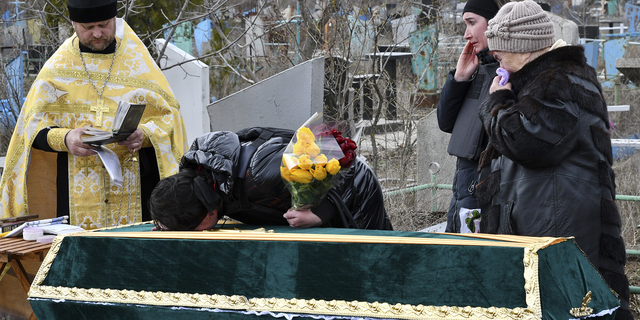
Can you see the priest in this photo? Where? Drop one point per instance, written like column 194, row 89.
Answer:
column 49, row 171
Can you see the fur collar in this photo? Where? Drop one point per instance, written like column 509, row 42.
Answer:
column 567, row 59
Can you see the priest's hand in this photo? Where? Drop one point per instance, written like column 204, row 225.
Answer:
column 133, row 141
column 74, row 143
column 302, row 218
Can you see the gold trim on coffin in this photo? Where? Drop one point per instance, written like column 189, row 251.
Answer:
column 301, row 306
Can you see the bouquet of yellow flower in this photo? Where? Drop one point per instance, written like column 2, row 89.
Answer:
column 312, row 160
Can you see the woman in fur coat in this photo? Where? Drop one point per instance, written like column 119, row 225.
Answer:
column 547, row 169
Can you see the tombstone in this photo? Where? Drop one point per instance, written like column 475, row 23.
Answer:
column 424, row 43
column 633, row 17
column 402, row 27
column 630, row 67
column 285, row 100
column 363, row 102
column 591, row 50
column 362, row 39
column 589, row 32
column 13, row 35
column 612, row 50
column 432, row 148
column 629, row 64
column 202, row 35
column 35, row 30
column 254, row 35
column 65, row 31
column 565, row 29
column 190, row 84
column 181, row 35
column 336, row 70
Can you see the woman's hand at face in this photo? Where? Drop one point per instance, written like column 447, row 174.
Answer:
column 467, row 63
column 302, row 218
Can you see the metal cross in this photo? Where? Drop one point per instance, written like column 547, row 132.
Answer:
column 99, row 108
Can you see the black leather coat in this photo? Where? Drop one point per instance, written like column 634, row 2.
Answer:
column 548, row 166
column 259, row 196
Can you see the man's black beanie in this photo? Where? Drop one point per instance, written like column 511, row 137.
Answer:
column 87, row 11
column 485, row 8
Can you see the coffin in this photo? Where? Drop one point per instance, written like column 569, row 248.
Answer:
column 241, row 272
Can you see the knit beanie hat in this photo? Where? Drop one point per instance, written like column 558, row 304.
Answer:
column 520, row 27
column 485, row 8
column 87, row 11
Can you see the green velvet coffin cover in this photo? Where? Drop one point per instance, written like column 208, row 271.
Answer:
column 239, row 272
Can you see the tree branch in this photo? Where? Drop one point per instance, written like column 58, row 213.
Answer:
column 166, row 43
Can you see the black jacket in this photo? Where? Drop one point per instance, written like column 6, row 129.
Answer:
column 458, row 108
column 458, row 115
column 258, row 195
column 548, row 165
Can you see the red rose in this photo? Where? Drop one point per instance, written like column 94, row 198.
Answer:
column 352, row 145
column 347, row 160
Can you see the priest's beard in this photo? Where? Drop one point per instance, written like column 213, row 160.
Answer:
column 99, row 47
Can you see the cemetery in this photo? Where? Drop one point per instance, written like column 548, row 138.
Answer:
column 375, row 70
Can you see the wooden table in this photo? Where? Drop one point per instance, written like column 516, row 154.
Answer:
column 15, row 249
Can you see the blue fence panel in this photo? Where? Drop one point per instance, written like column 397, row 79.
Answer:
column 633, row 17
column 591, row 51
column 613, row 49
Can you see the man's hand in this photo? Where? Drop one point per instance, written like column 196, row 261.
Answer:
column 74, row 143
column 302, row 218
column 467, row 63
column 133, row 141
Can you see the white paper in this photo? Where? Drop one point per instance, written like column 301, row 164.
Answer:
column 112, row 164
column 61, row 229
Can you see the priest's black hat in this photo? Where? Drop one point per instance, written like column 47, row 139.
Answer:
column 485, row 8
column 86, row 11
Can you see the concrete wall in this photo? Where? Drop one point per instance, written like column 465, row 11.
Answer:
column 285, row 100
column 432, row 148
column 190, row 84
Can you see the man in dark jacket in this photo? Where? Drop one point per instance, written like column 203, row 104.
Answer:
column 548, row 164
column 463, row 92
column 238, row 175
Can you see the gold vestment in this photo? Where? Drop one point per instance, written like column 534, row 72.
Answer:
column 62, row 96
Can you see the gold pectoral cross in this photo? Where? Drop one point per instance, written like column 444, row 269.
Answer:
column 99, row 108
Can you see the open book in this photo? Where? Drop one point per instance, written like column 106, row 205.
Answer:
column 37, row 223
column 125, row 123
